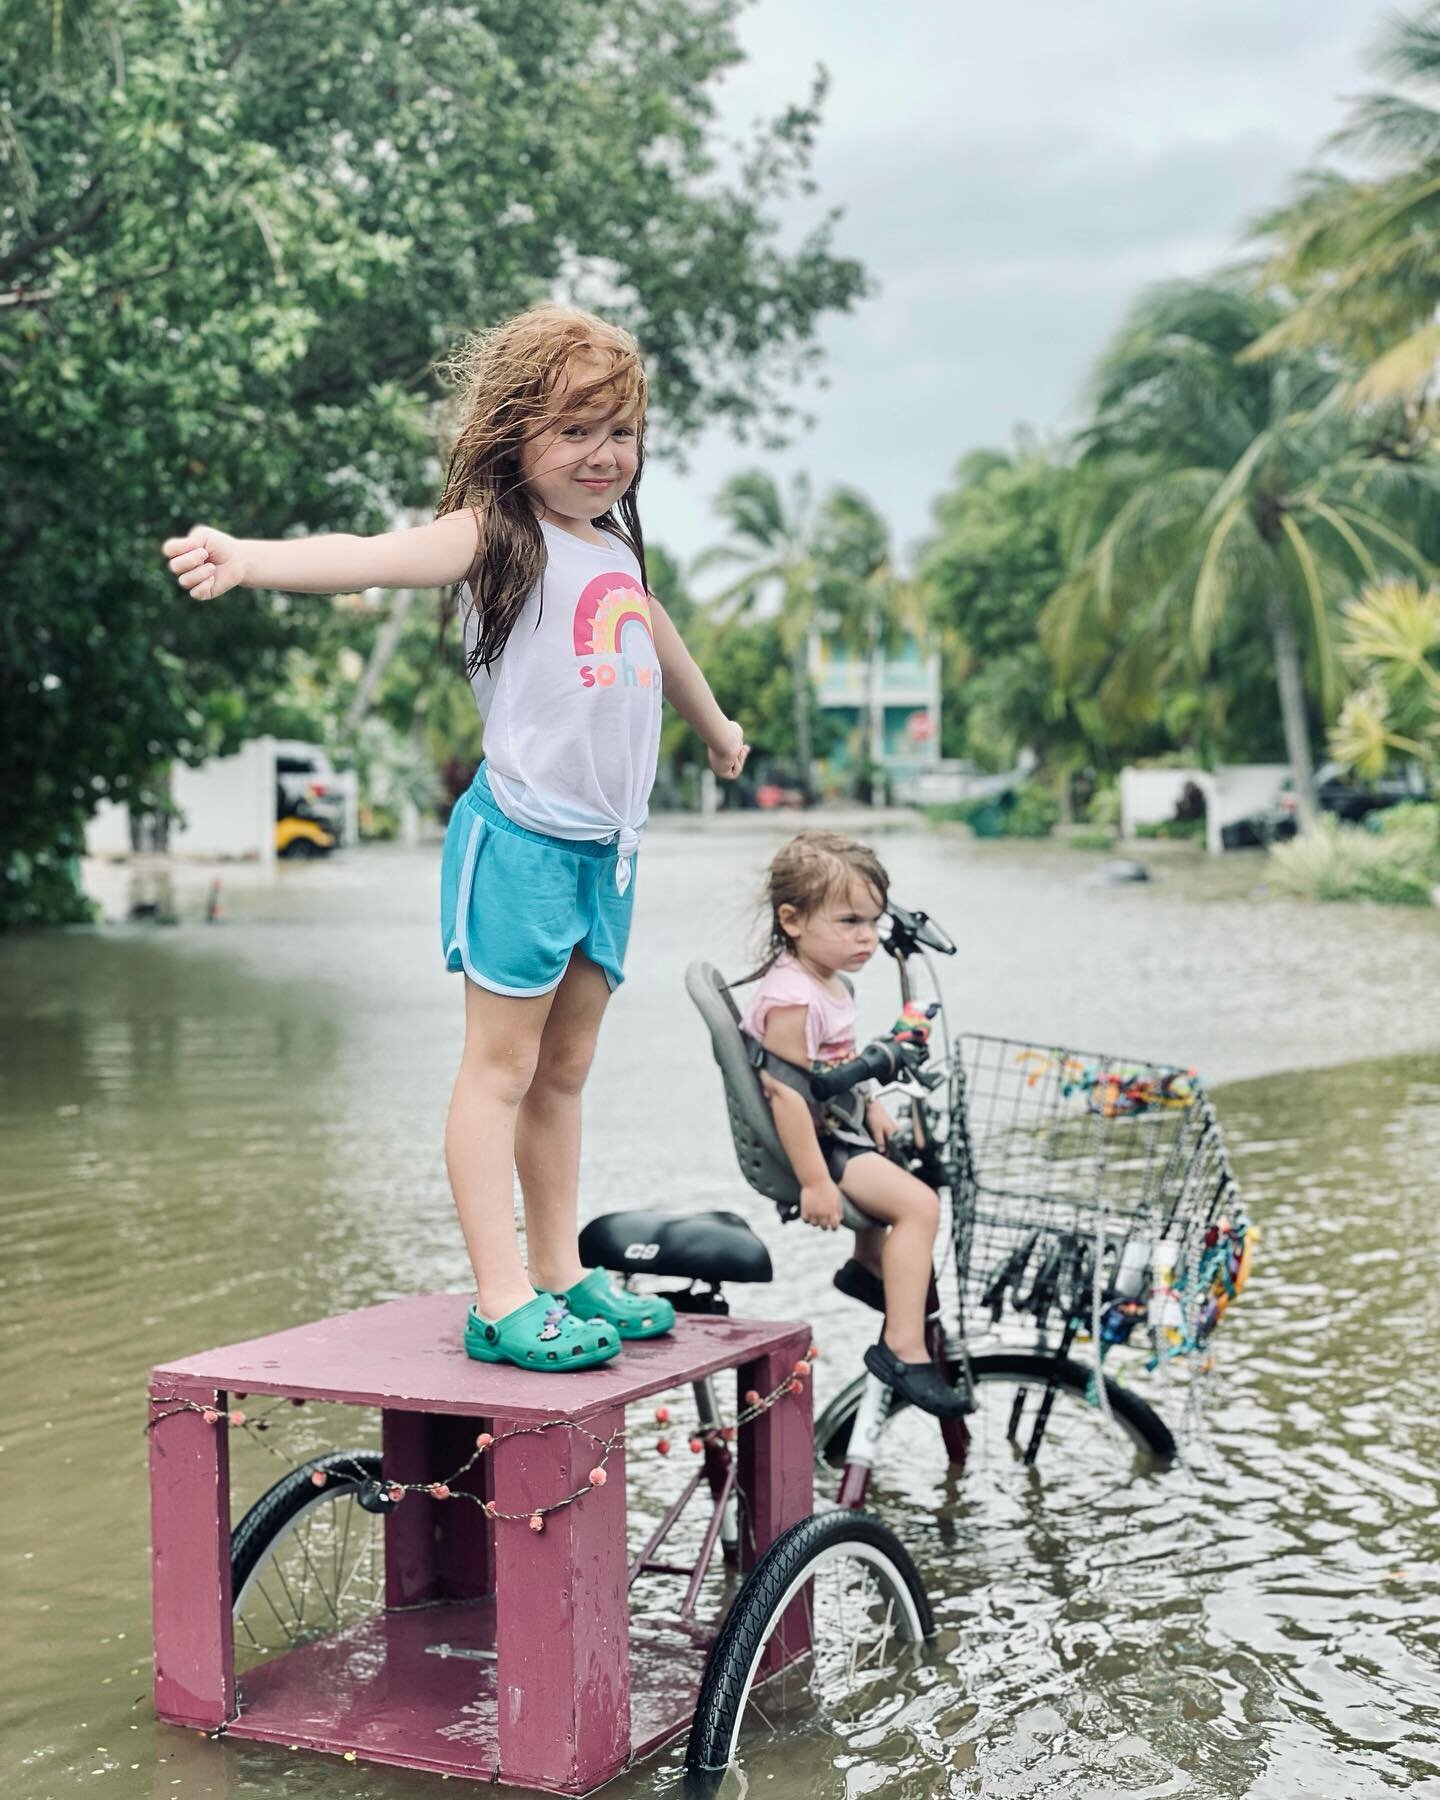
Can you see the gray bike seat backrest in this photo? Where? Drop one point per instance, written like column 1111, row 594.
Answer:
column 762, row 1157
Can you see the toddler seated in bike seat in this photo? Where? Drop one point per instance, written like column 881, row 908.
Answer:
column 826, row 895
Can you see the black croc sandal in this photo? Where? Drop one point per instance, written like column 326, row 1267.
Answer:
column 921, row 1384
column 857, row 1282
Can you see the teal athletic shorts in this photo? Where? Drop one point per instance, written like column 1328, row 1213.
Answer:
column 515, row 903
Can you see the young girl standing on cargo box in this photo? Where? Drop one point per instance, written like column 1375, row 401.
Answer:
column 568, row 655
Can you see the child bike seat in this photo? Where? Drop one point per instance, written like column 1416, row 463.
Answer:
column 763, row 1161
column 709, row 1246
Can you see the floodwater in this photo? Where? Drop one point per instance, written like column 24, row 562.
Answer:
column 216, row 1130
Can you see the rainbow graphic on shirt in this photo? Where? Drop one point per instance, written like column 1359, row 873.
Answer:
column 612, row 610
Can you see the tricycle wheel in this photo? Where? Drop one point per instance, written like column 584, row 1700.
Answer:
column 1010, row 1388
column 308, row 1557
column 825, row 1619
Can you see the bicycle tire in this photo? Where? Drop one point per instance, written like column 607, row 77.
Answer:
column 280, row 1509
column 1136, row 1417
column 786, row 1566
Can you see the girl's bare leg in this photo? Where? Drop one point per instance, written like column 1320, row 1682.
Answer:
column 497, row 1065
column 547, row 1126
column 912, row 1212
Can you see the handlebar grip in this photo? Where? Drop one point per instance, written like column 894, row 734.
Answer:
column 843, row 1076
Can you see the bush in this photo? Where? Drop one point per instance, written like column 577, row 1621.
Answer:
column 1396, row 865
column 1029, row 812
column 1182, row 830
column 1413, row 823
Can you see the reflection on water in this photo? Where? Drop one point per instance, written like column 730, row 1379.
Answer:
column 212, row 1132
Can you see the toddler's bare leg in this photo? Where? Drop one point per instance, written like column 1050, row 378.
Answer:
column 547, row 1127
column 912, row 1212
column 870, row 1248
column 502, row 1046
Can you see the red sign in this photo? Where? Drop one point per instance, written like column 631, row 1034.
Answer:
column 919, row 726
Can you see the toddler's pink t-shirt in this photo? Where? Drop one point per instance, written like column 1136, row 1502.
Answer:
column 829, row 1018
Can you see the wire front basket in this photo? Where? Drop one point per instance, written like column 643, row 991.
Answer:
column 1078, row 1176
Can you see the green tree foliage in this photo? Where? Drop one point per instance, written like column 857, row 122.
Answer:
column 234, row 241
column 754, row 680
column 1001, row 547
column 1392, row 642
column 1362, row 253
column 771, row 544
column 1239, row 498
column 828, row 568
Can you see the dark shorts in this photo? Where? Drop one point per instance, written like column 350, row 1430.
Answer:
column 840, row 1152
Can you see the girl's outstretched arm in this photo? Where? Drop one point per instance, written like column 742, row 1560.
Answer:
column 687, row 690
column 207, row 562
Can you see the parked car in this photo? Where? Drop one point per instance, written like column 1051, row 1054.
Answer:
column 304, row 773
column 1338, row 792
column 299, row 834
column 309, row 806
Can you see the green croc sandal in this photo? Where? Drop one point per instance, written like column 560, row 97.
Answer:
column 598, row 1298
column 541, row 1335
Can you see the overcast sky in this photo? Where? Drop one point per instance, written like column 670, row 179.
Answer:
column 1012, row 177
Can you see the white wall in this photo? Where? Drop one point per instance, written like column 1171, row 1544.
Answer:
column 1233, row 791
column 227, row 807
column 1150, row 796
column 227, row 804
column 108, row 833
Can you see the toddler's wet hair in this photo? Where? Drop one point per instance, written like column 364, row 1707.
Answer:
column 806, row 872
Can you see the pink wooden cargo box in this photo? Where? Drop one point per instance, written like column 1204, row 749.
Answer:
column 568, row 1700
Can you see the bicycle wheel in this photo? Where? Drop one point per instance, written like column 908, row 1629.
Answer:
column 308, row 1557
column 1077, row 1455
column 863, row 1606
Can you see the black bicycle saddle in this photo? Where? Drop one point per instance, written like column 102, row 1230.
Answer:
column 708, row 1246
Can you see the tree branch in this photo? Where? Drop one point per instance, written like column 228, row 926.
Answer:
column 40, row 296
column 49, row 239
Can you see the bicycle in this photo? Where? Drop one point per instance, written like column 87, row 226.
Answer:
column 1086, row 1193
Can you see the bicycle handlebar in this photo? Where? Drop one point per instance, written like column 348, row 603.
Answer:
column 909, row 930
column 883, row 1060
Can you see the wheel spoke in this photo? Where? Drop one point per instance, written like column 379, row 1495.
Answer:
column 311, row 1569
column 318, row 1569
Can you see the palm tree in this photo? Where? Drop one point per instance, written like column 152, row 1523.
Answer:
column 833, row 569
column 771, row 543
column 1392, row 639
column 867, row 605
column 1362, row 257
column 1237, row 493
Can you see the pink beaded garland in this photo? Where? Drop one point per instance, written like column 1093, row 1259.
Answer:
column 597, row 1478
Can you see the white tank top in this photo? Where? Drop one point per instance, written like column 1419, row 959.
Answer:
column 572, row 704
